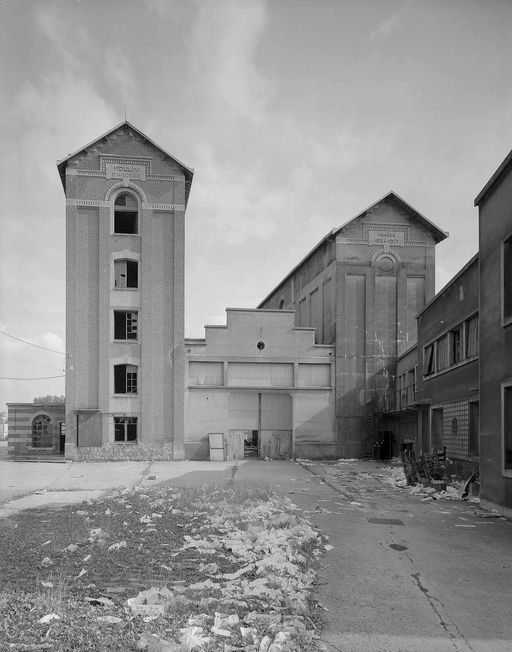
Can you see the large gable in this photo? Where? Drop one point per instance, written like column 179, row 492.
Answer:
column 112, row 143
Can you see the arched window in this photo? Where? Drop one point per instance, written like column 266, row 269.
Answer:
column 42, row 436
column 126, row 212
column 281, row 304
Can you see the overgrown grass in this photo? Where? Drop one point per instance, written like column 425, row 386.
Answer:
column 82, row 563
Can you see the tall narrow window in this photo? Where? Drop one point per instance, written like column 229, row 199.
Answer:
column 126, row 274
column 125, row 379
column 125, row 325
column 472, row 337
column 456, row 345
column 429, row 366
column 507, row 427
column 442, row 353
column 125, row 214
column 125, row 429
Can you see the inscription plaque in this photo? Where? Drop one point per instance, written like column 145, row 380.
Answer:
column 125, row 171
column 396, row 238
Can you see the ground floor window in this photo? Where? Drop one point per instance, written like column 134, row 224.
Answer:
column 125, row 428
column 507, row 427
column 42, row 432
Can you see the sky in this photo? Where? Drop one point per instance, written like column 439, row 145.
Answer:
column 295, row 115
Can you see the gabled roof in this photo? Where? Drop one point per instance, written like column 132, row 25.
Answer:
column 188, row 172
column 437, row 233
column 493, row 179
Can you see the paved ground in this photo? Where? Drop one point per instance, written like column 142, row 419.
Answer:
column 402, row 576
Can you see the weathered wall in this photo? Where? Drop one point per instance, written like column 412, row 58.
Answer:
column 125, row 161
column 282, row 389
column 495, row 225
column 20, row 420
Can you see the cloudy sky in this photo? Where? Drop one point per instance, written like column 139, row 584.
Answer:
column 295, row 115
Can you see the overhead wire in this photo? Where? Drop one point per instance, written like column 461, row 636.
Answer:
column 31, row 344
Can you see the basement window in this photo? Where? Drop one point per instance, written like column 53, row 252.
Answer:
column 125, row 429
column 126, row 210
column 125, row 325
column 126, row 274
column 125, row 379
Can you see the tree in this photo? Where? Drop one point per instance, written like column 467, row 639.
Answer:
column 49, row 399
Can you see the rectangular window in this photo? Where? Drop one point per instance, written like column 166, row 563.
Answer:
column 125, row 222
column 314, row 375
column 126, row 274
column 456, row 345
column 507, row 278
column 429, row 360
column 125, row 325
column 260, row 374
column 507, row 427
column 125, row 379
column 206, row 373
column 472, row 337
column 442, row 353
column 125, row 429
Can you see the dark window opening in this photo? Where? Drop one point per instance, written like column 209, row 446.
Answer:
column 125, row 325
column 125, row 428
column 429, row 367
column 125, row 214
column 281, row 304
column 126, row 274
column 507, row 427
column 125, row 379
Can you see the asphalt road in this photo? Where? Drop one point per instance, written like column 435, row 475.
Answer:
column 403, row 575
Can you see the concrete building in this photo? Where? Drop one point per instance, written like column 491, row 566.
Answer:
column 36, row 430
column 125, row 210
column 495, row 246
column 361, row 288
column 263, row 385
column 436, row 400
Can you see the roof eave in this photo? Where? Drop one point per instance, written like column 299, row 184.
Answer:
column 188, row 172
column 493, row 179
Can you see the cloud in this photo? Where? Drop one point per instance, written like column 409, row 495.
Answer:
column 221, row 58
column 387, row 26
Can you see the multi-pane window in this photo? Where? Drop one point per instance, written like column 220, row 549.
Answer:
column 126, row 212
column 126, row 274
column 125, row 325
column 125, row 379
column 125, row 428
column 454, row 347
column 42, row 432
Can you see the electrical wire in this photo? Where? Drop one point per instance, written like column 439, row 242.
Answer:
column 43, row 378
column 30, row 343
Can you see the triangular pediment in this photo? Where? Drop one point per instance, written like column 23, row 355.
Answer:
column 125, row 141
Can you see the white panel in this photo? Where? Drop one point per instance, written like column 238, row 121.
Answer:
column 205, row 373
column 260, row 374
column 276, row 412
column 314, row 375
